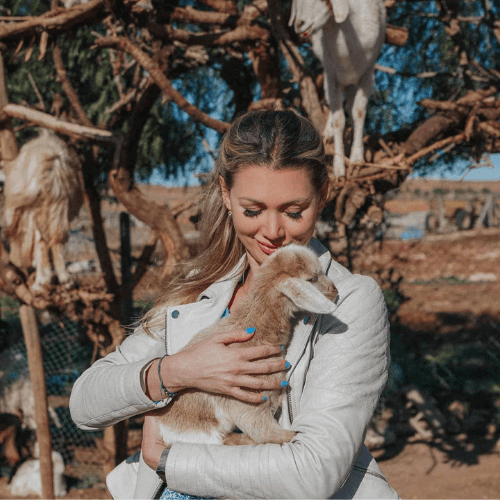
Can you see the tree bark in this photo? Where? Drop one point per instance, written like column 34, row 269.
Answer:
column 158, row 217
column 55, row 22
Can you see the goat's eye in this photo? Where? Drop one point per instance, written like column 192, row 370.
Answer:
column 314, row 279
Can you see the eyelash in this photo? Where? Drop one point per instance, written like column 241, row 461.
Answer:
column 256, row 213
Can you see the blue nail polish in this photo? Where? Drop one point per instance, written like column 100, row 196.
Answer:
column 250, row 330
column 264, row 398
column 284, row 383
column 287, row 365
column 281, row 347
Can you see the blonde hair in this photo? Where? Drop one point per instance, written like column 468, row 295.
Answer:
column 273, row 139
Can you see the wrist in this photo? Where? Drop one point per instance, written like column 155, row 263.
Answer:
column 171, row 374
column 154, row 390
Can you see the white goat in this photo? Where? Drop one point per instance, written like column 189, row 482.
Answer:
column 43, row 193
column 347, row 36
column 289, row 281
column 27, row 479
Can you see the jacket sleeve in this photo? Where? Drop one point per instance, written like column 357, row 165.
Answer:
column 111, row 390
column 345, row 379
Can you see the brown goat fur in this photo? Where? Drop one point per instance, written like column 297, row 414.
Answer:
column 9, row 427
column 43, row 193
column 289, row 281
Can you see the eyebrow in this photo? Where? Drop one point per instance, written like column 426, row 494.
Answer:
column 298, row 201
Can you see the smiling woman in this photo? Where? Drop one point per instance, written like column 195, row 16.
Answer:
column 266, row 192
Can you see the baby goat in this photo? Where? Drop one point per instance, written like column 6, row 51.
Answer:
column 289, row 281
column 347, row 36
column 43, row 193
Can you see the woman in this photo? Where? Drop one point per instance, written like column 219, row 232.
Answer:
column 268, row 189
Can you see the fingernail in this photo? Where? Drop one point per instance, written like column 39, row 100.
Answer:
column 281, row 347
column 287, row 365
column 284, row 383
column 250, row 330
column 264, row 398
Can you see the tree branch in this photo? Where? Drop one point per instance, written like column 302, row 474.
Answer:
column 55, row 22
column 161, row 80
column 239, row 34
column 48, row 121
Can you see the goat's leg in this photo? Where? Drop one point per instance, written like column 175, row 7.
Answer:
column 60, row 264
column 336, row 123
column 356, row 101
column 237, row 439
column 42, row 263
column 261, row 427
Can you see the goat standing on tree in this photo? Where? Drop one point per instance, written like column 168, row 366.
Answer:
column 347, row 36
column 43, row 194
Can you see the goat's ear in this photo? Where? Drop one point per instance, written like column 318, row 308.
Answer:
column 340, row 10
column 306, row 296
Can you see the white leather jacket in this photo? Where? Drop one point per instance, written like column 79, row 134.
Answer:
column 339, row 365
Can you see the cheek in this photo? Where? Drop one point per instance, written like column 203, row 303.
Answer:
column 245, row 225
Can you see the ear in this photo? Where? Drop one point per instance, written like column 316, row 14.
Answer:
column 225, row 192
column 340, row 10
column 306, row 296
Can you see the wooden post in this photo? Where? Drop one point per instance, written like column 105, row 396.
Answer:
column 126, row 268
column 115, row 437
column 37, row 376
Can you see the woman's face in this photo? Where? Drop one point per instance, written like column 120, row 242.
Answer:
column 272, row 208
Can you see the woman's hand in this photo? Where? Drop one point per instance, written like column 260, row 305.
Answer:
column 152, row 443
column 213, row 366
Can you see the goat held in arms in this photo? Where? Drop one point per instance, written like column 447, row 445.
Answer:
column 43, row 194
column 347, row 36
column 289, row 281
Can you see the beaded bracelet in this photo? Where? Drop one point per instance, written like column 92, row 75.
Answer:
column 165, row 390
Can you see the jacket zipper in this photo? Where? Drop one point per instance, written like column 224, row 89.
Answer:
column 289, row 398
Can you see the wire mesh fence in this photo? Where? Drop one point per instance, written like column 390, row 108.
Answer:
column 67, row 352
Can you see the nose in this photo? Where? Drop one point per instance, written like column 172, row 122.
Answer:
column 273, row 228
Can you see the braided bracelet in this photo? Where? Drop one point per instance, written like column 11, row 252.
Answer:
column 165, row 390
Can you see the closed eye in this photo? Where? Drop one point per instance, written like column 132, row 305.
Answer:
column 314, row 279
column 251, row 213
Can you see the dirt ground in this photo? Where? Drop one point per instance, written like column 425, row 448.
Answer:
column 450, row 284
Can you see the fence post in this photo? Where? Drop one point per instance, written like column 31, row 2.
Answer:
column 115, row 437
column 37, row 377
column 126, row 268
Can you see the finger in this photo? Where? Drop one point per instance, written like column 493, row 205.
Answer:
column 265, row 367
column 235, row 336
column 248, row 397
column 261, row 351
column 261, row 384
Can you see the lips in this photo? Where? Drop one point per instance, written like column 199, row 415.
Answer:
column 267, row 249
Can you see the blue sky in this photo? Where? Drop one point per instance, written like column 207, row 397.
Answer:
column 487, row 173
column 477, row 174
